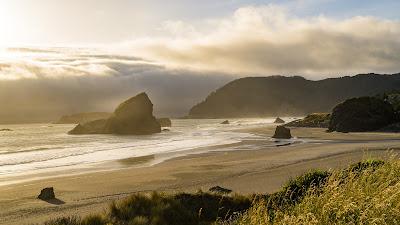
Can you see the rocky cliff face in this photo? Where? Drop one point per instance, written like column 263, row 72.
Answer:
column 287, row 96
column 132, row 117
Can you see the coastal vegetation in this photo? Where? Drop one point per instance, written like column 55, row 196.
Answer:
column 320, row 120
column 363, row 193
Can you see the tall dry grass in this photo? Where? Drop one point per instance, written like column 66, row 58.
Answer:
column 365, row 193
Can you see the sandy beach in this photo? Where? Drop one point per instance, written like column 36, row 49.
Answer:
column 246, row 172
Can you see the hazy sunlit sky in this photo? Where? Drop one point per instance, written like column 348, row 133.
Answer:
column 76, row 22
column 64, row 56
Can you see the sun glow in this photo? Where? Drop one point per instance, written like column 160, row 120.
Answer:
column 6, row 22
column 13, row 23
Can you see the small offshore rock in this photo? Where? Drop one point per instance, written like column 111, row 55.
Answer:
column 6, row 129
column 225, row 122
column 282, row 132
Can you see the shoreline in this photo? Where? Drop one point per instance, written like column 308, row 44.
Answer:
column 115, row 165
column 243, row 171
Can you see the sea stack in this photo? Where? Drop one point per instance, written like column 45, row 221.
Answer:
column 132, row 117
column 282, row 132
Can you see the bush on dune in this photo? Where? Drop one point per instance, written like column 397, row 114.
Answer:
column 73, row 220
column 200, row 208
column 162, row 209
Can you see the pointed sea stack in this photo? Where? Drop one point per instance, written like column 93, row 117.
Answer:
column 132, row 117
column 279, row 120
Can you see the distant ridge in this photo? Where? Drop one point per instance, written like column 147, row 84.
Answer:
column 286, row 96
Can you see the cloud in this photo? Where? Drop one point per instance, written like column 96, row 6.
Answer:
column 266, row 40
column 40, row 85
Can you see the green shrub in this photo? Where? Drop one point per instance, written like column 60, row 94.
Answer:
column 155, row 209
column 64, row 221
column 93, row 220
column 296, row 188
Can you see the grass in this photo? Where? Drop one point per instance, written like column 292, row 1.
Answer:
column 367, row 192
column 162, row 209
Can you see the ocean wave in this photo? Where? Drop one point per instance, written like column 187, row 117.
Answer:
column 53, row 148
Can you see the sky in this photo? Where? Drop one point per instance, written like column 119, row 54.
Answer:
column 52, row 51
column 77, row 22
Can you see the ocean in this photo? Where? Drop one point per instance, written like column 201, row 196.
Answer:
column 36, row 151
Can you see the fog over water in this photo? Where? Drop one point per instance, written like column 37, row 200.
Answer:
column 49, row 85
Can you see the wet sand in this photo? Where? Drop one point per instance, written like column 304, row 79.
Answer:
column 246, row 172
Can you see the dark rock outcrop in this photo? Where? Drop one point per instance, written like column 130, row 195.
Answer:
column 361, row 114
column 132, row 117
column 220, row 190
column 287, row 96
column 320, row 120
column 225, row 122
column 47, row 194
column 164, row 122
column 83, row 117
column 282, row 132
column 279, row 120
